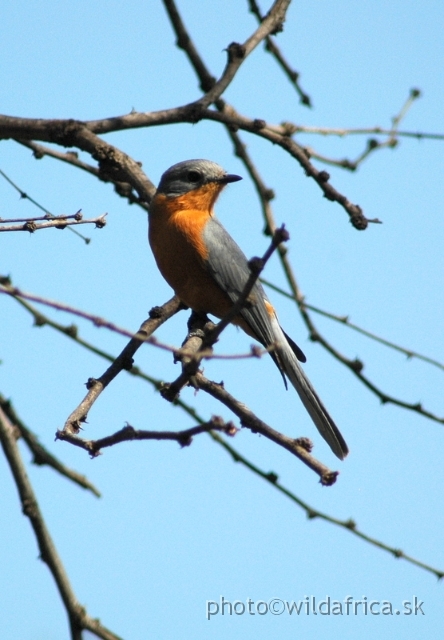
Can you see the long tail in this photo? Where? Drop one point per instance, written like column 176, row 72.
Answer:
column 324, row 423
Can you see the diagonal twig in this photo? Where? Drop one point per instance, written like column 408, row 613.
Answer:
column 41, row 456
column 77, row 615
column 300, row 447
column 345, row 320
column 271, row 47
column 158, row 315
column 25, row 196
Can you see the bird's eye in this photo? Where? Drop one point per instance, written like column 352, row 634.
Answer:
column 194, row 176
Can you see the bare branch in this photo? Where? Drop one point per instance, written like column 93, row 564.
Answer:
column 70, row 157
column 227, row 115
column 21, row 296
column 123, row 189
column 345, row 320
column 47, row 216
column 300, row 447
column 271, row 477
column 312, row 513
column 15, row 292
column 373, row 144
column 158, row 315
column 59, row 222
column 271, row 47
column 25, row 196
column 129, row 433
column 118, row 167
column 41, row 455
column 237, row 53
column 289, row 128
column 78, row 618
column 396, row 120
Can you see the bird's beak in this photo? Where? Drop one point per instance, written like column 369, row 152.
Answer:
column 229, row 177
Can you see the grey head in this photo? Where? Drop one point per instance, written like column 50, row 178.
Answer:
column 191, row 174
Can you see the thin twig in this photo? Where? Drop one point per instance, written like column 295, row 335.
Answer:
column 41, row 456
column 158, row 315
column 345, row 320
column 59, row 222
column 73, row 216
column 16, row 292
column 372, row 145
column 129, row 433
column 21, row 296
column 69, row 157
column 312, row 513
column 24, row 195
column 343, row 132
column 237, row 53
column 271, row 47
column 123, row 189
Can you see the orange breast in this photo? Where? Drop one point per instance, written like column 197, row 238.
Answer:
column 175, row 235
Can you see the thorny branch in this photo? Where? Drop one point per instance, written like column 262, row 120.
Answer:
column 271, row 477
column 79, row 620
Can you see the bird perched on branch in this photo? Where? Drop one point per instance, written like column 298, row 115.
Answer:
column 208, row 271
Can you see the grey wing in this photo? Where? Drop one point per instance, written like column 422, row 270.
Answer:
column 229, row 267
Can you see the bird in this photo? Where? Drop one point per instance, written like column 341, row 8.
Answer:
column 208, row 271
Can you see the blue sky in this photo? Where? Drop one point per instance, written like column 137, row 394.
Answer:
column 177, row 527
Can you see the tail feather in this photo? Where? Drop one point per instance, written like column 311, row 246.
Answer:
column 310, row 399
